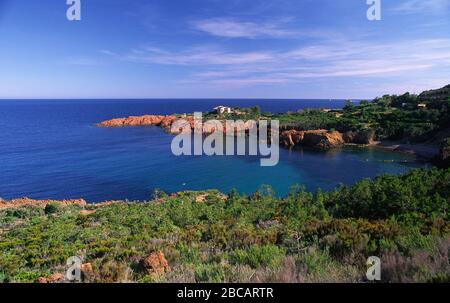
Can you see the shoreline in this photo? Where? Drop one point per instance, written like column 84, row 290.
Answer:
column 425, row 151
column 422, row 150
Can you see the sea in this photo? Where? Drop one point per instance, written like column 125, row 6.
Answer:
column 51, row 149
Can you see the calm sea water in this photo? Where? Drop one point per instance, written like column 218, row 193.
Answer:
column 51, row 149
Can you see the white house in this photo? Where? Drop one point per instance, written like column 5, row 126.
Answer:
column 223, row 109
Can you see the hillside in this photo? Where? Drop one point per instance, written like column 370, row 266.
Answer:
column 210, row 237
column 441, row 94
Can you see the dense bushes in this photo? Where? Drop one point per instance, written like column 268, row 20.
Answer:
column 390, row 117
column 421, row 193
column 259, row 256
column 443, row 159
column 322, row 236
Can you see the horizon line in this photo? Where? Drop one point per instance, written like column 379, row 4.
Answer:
column 186, row 98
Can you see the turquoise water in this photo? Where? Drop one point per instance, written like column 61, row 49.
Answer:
column 51, row 149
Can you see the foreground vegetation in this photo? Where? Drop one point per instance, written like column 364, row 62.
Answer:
column 210, row 237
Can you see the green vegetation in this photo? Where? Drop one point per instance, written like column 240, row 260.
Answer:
column 321, row 236
column 406, row 117
column 443, row 160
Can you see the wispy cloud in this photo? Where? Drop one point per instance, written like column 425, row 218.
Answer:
column 107, row 52
column 342, row 58
column 422, row 6
column 231, row 28
column 200, row 56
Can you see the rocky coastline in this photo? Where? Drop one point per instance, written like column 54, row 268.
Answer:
column 320, row 138
column 167, row 123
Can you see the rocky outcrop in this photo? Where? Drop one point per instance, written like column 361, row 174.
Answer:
column 146, row 120
column 366, row 136
column 184, row 122
column 311, row 138
column 41, row 203
column 326, row 139
column 322, row 138
column 87, row 272
column 291, row 137
column 53, row 278
column 155, row 264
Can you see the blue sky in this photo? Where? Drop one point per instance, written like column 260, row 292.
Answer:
column 222, row 49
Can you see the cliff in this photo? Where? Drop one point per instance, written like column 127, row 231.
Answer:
column 146, row 120
column 167, row 121
column 324, row 139
column 313, row 138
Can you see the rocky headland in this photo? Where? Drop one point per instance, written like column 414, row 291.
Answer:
column 167, row 122
column 314, row 138
column 323, row 138
column 164, row 121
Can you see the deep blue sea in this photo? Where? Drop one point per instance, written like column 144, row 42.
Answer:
column 50, row 149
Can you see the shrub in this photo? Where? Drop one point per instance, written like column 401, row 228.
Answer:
column 259, row 256
column 213, row 273
column 51, row 208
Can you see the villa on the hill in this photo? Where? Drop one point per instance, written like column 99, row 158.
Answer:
column 223, row 109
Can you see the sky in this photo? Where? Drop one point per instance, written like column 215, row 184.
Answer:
column 222, row 49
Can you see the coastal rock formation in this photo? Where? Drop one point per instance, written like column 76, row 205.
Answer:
column 41, row 203
column 150, row 120
column 155, row 264
column 291, row 137
column 312, row 138
column 146, row 120
column 322, row 138
column 366, row 136
column 167, row 122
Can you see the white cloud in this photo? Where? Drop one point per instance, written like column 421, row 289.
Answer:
column 238, row 29
column 342, row 58
column 199, row 56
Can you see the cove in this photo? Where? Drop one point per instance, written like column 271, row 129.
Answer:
column 52, row 150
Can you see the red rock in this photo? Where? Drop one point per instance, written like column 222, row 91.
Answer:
column 54, row 278
column 86, row 267
column 166, row 122
column 41, row 203
column 155, row 264
column 146, row 120
column 87, row 271
column 314, row 138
